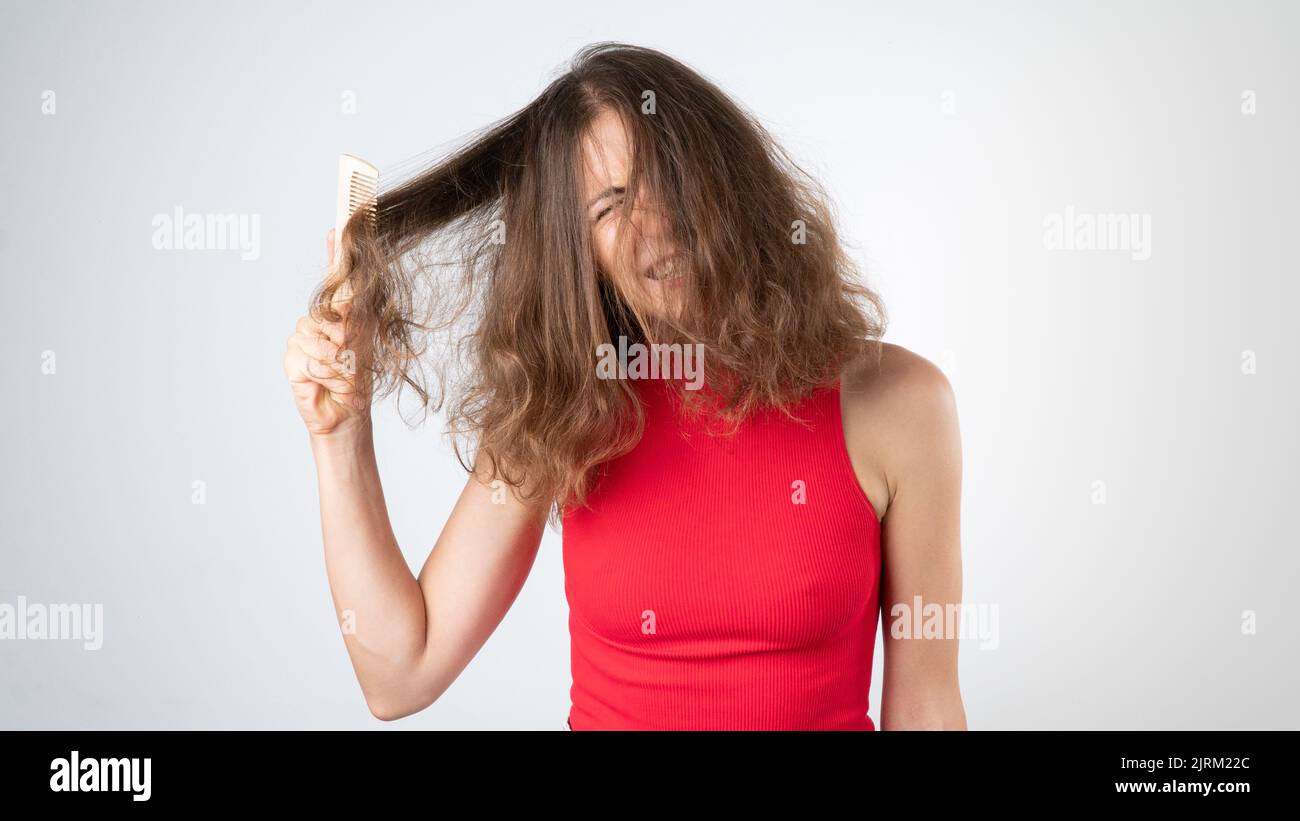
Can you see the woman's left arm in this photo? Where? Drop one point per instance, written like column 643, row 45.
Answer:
column 921, row 544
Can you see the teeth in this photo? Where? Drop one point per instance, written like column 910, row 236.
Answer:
column 670, row 269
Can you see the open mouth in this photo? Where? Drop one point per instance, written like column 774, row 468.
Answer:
column 667, row 269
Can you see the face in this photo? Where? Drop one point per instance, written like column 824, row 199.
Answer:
column 640, row 262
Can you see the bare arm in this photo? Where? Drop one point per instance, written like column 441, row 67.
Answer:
column 408, row 637
column 912, row 417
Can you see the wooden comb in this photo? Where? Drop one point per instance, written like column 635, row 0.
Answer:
column 358, row 190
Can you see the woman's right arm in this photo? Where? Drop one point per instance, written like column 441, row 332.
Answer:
column 408, row 637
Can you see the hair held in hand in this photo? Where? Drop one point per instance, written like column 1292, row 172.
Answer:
column 477, row 287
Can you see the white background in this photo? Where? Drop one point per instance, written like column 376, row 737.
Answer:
column 946, row 134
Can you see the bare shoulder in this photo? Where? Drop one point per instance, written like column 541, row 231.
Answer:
column 900, row 381
column 899, row 413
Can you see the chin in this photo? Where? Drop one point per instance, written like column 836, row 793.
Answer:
column 664, row 306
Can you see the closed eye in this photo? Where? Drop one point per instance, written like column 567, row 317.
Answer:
column 604, row 211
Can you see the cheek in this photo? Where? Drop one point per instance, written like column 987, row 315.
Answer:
column 605, row 240
column 611, row 259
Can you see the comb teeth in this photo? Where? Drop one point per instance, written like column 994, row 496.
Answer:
column 358, row 189
column 362, row 194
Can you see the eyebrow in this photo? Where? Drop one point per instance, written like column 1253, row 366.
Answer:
column 613, row 189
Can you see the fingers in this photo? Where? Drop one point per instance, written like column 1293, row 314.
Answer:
column 325, row 375
column 325, row 352
column 310, row 326
column 317, row 341
column 329, row 246
column 317, row 346
column 301, row 365
column 295, row 365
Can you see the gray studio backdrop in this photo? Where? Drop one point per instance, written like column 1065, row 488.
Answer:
column 1127, row 392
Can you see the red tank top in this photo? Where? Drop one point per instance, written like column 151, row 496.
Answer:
column 724, row 583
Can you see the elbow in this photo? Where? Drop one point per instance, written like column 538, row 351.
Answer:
column 390, row 710
column 391, row 707
column 403, row 690
column 386, row 711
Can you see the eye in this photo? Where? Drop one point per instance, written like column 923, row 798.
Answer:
column 605, row 211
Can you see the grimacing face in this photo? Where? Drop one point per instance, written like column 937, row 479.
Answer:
column 642, row 265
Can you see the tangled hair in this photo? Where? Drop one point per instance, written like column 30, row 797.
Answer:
column 770, row 294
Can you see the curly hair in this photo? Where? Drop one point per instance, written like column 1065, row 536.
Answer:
column 488, row 250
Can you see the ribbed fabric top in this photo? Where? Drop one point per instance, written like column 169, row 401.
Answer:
column 725, row 583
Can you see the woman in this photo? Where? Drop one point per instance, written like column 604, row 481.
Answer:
column 728, row 542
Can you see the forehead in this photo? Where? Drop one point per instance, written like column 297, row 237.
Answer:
column 605, row 153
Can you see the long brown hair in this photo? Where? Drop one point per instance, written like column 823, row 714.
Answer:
column 489, row 252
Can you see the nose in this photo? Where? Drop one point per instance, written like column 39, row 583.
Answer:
column 650, row 233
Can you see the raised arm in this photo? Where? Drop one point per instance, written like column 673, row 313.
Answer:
column 408, row 637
